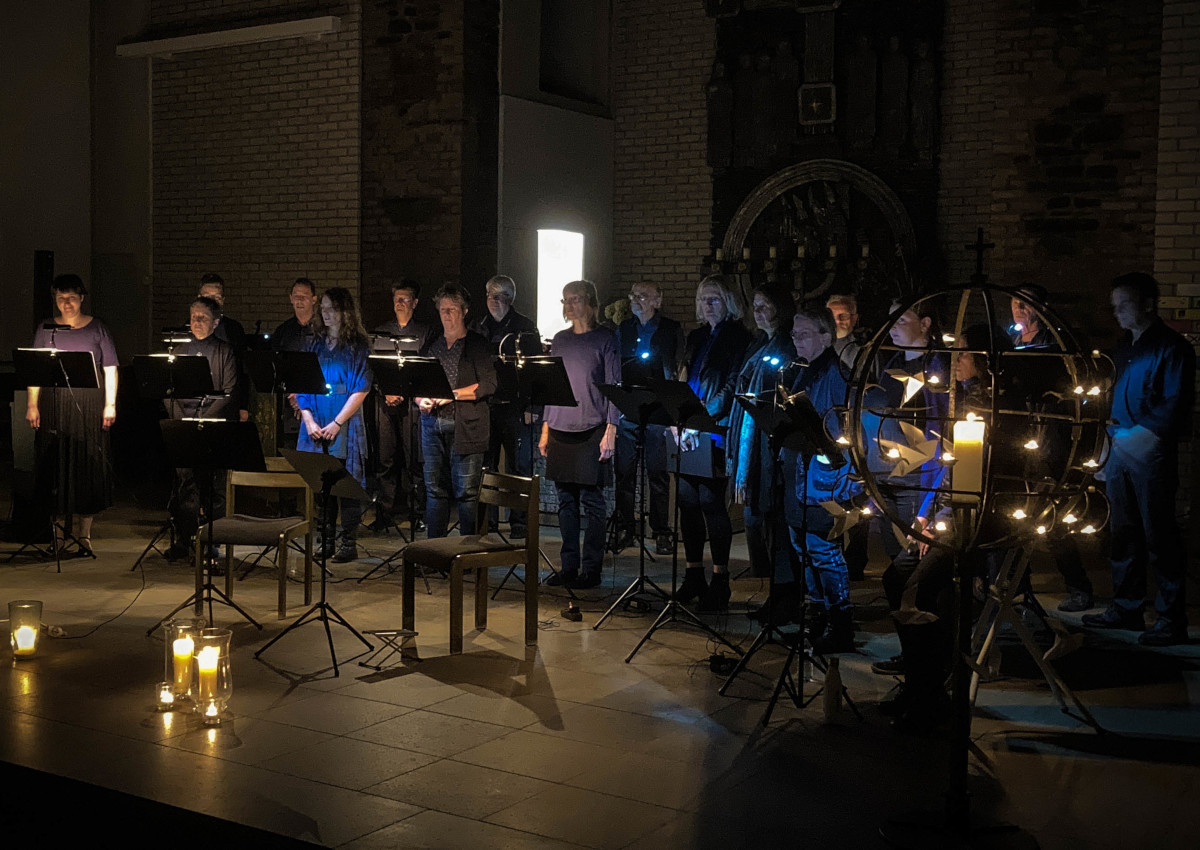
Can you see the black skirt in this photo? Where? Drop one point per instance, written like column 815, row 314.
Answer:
column 573, row 457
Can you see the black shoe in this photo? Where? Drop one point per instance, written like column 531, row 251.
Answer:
column 382, row 523
column 1115, row 617
column 838, row 635
column 1075, row 602
column 177, row 552
column 561, row 579
column 624, row 540
column 664, row 544
column 694, row 586
column 346, row 553
column 716, row 598
column 894, row 666
column 1164, row 633
column 585, row 582
column 782, row 607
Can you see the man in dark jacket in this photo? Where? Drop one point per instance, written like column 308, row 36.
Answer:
column 650, row 346
column 455, row 431
column 229, row 330
column 511, row 416
column 189, row 497
column 398, row 466
column 1152, row 404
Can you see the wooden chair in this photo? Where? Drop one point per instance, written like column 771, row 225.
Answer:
column 236, row 529
column 478, row 553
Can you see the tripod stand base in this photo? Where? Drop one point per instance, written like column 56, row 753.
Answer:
column 933, row 831
column 675, row 612
column 641, row 584
column 199, row 598
column 324, row 613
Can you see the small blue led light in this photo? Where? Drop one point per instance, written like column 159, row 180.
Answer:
column 645, row 355
column 774, row 361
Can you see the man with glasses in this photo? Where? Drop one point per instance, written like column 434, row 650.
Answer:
column 398, row 463
column 650, row 346
column 511, row 416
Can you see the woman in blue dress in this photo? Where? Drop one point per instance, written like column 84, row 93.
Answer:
column 333, row 423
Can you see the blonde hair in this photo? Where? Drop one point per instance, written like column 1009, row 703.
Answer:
column 588, row 290
column 721, row 283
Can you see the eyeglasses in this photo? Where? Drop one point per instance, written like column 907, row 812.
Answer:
column 763, row 308
column 575, row 300
column 802, row 335
column 634, row 296
column 405, row 301
column 498, row 296
column 710, row 301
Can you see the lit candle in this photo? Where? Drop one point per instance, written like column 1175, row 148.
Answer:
column 968, row 466
column 166, row 696
column 720, row 255
column 866, row 250
column 773, row 252
column 212, row 713
column 206, row 665
column 800, row 249
column 24, row 641
column 833, row 250
column 183, row 648
column 745, row 253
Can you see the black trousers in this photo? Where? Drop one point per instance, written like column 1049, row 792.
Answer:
column 702, row 507
column 399, row 480
column 510, row 433
column 657, row 481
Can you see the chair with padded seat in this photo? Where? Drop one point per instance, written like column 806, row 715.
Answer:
column 236, row 529
column 478, row 553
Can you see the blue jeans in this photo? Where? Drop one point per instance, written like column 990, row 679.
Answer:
column 570, row 498
column 827, row 577
column 448, row 475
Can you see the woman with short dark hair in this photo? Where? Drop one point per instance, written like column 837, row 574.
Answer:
column 71, row 423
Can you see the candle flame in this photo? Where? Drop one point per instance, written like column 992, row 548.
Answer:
column 1088, row 529
column 1041, row 529
column 1019, row 514
column 1032, row 444
column 25, row 637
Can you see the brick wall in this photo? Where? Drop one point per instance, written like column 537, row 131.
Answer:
column 662, row 198
column 255, row 159
column 1177, row 218
column 1050, row 143
column 412, row 147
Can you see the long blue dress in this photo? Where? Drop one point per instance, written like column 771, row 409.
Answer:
column 346, row 371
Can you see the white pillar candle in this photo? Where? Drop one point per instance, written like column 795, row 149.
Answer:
column 967, row 474
column 182, row 648
column 206, row 665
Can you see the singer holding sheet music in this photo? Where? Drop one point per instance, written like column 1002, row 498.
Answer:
column 190, row 496
column 333, row 423
column 78, row 418
column 713, row 355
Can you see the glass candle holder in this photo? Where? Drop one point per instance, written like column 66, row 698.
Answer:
column 164, row 696
column 25, row 627
column 214, row 678
column 179, row 655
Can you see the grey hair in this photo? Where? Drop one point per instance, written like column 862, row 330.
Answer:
column 733, row 302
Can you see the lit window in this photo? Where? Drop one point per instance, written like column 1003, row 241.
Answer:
column 560, row 261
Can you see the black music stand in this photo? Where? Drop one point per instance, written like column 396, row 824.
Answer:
column 683, row 410
column 639, row 405
column 286, row 372
column 167, row 377
column 206, row 446
column 55, row 369
column 327, row 474
column 795, row 425
column 544, row 381
column 410, row 377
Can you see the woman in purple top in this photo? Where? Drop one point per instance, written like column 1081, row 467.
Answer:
column 578, row 442
column 72, row 424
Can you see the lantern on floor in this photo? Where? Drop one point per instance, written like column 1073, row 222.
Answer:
column 25, row 627
column 214, row 680
column 179, row 657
